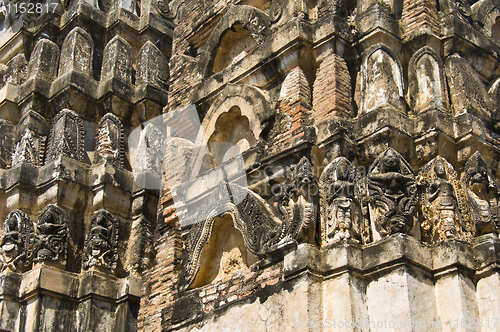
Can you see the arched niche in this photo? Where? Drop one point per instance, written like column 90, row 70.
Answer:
column 427, row 81
column 232, row 128
column 245, row 104
column 224, row 253
column 234, row 45
column 237, row 18
column 382, row 83
column 487, row 13
column 495, row 31
column 251, row 101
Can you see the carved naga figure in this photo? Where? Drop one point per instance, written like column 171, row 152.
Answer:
column 442, row 202
column 482, row 193
column 340, row 215
column 263, row 230
column 102, row 241
column 15, row 251
column 51, row 239
column 392, row 195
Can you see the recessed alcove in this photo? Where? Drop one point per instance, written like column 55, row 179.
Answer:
column 263, row 5
column 495, row 31
column 234, row 45
column 224, row 253
column 231, row 137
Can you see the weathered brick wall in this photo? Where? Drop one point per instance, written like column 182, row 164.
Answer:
column 419, row 15
column 295, row 102
column 200, row 18
column 237, row 286
column 160, row 280
column 332, row 94
column 188, row 306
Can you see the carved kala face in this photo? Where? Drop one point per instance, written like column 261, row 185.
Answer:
column 11, row 224
column 10, row 248
column 98, row 243
column 398, row 224
column 389, row 164
column 48, row 218
column 44, row 254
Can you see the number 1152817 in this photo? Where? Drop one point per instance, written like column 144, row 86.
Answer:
column 30, row 8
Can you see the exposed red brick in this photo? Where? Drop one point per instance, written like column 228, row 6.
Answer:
column 332, row 89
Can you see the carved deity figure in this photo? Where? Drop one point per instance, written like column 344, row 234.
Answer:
column 15, row 250
column 441, row 199
column 340, row 213
column 482, row 193
column 51, row 239
column 392, row 195
column 101, row 243
column 299, row 204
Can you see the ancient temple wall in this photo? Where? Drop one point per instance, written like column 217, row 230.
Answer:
column 330, row 161
column 404, row 290
column 367, row 102
column 77, row 229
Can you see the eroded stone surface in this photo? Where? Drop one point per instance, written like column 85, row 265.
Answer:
column 292, row 102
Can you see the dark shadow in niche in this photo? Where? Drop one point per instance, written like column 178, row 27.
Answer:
column 495, row 31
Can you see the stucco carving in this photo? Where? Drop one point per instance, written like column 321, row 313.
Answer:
column 16, row 242
column 101, row 242
column 110, row 141
column 427, row 81
column 443, row 202
column 51, row 236
column 482, row 192
column 340, row 202
column 76, row 52
column 67, row 137
column 392, row 195
column 382, row 81
column 262, row 229
column 32, row 133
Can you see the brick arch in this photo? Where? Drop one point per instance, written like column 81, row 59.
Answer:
column 252, row 19
column 487, row 13
column 252, row 103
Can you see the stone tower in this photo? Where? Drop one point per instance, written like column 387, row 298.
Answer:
column 250, row 165
column 368, row 135
column 76, row 78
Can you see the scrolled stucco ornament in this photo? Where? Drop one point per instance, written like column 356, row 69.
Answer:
column 102, row 241
column 16, row 242
column 51, row 236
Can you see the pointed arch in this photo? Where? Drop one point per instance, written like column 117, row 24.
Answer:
column 253, row 20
